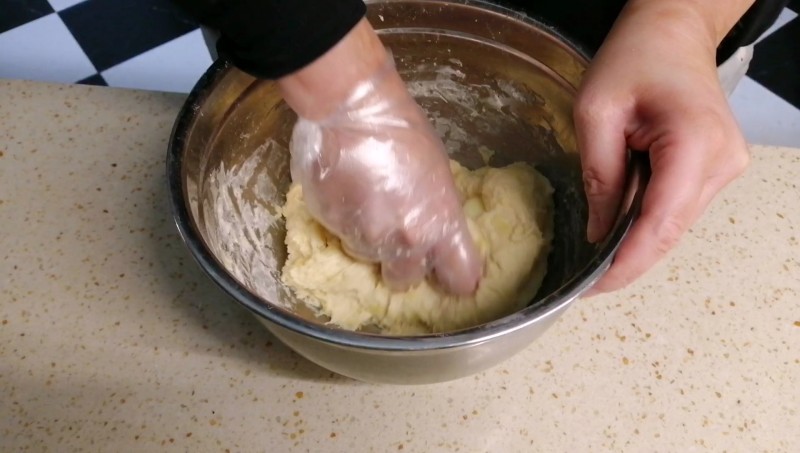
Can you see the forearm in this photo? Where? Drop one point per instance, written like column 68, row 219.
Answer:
column 689, row 28
column 708, row 20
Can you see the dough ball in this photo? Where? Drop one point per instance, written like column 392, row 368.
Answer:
column 510, row 215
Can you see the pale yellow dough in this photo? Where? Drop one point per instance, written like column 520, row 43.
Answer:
column 510, row 212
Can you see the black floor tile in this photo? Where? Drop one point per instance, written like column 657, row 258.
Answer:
column 794, row 5
column 14, row 13
column 96, row 80
column 776, row 62
column 113, row 31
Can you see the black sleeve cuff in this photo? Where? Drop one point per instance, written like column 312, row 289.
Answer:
column 753, row 24
column 273, row 38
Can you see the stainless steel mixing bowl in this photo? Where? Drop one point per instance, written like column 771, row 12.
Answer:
column 490, row 79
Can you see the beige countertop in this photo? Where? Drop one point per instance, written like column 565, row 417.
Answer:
column 112, row 339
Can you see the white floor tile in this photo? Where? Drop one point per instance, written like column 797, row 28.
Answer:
column 43, row 50
column 765, row 118
column 61, row 5
column 785, row 16
column 175, row 66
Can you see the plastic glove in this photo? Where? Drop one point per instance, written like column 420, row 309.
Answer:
column 375, row 174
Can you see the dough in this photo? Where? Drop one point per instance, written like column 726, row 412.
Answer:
column 510, row 215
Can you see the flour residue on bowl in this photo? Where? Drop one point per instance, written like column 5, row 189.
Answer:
column 446, row 92
column 242, row 218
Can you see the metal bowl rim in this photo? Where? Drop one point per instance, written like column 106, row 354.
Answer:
column 550, row 304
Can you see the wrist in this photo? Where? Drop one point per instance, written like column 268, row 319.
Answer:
column 317, row 90
column 658, row 32
column 710, row 19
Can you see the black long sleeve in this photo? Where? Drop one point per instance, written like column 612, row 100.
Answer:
column 272, row 38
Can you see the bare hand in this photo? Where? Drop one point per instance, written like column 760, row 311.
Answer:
column 654, row 87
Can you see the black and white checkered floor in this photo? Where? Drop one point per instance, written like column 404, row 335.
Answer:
column 150, row 44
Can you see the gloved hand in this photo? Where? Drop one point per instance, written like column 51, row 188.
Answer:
column 375, row 174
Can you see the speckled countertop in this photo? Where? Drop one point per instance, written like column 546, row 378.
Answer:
column 111, row 338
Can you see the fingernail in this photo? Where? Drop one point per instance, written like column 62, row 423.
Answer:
column 459, row 284
column 592, row 227
column 403, row 274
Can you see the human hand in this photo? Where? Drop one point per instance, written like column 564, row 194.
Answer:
column 375, row 174
column 653, row 86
